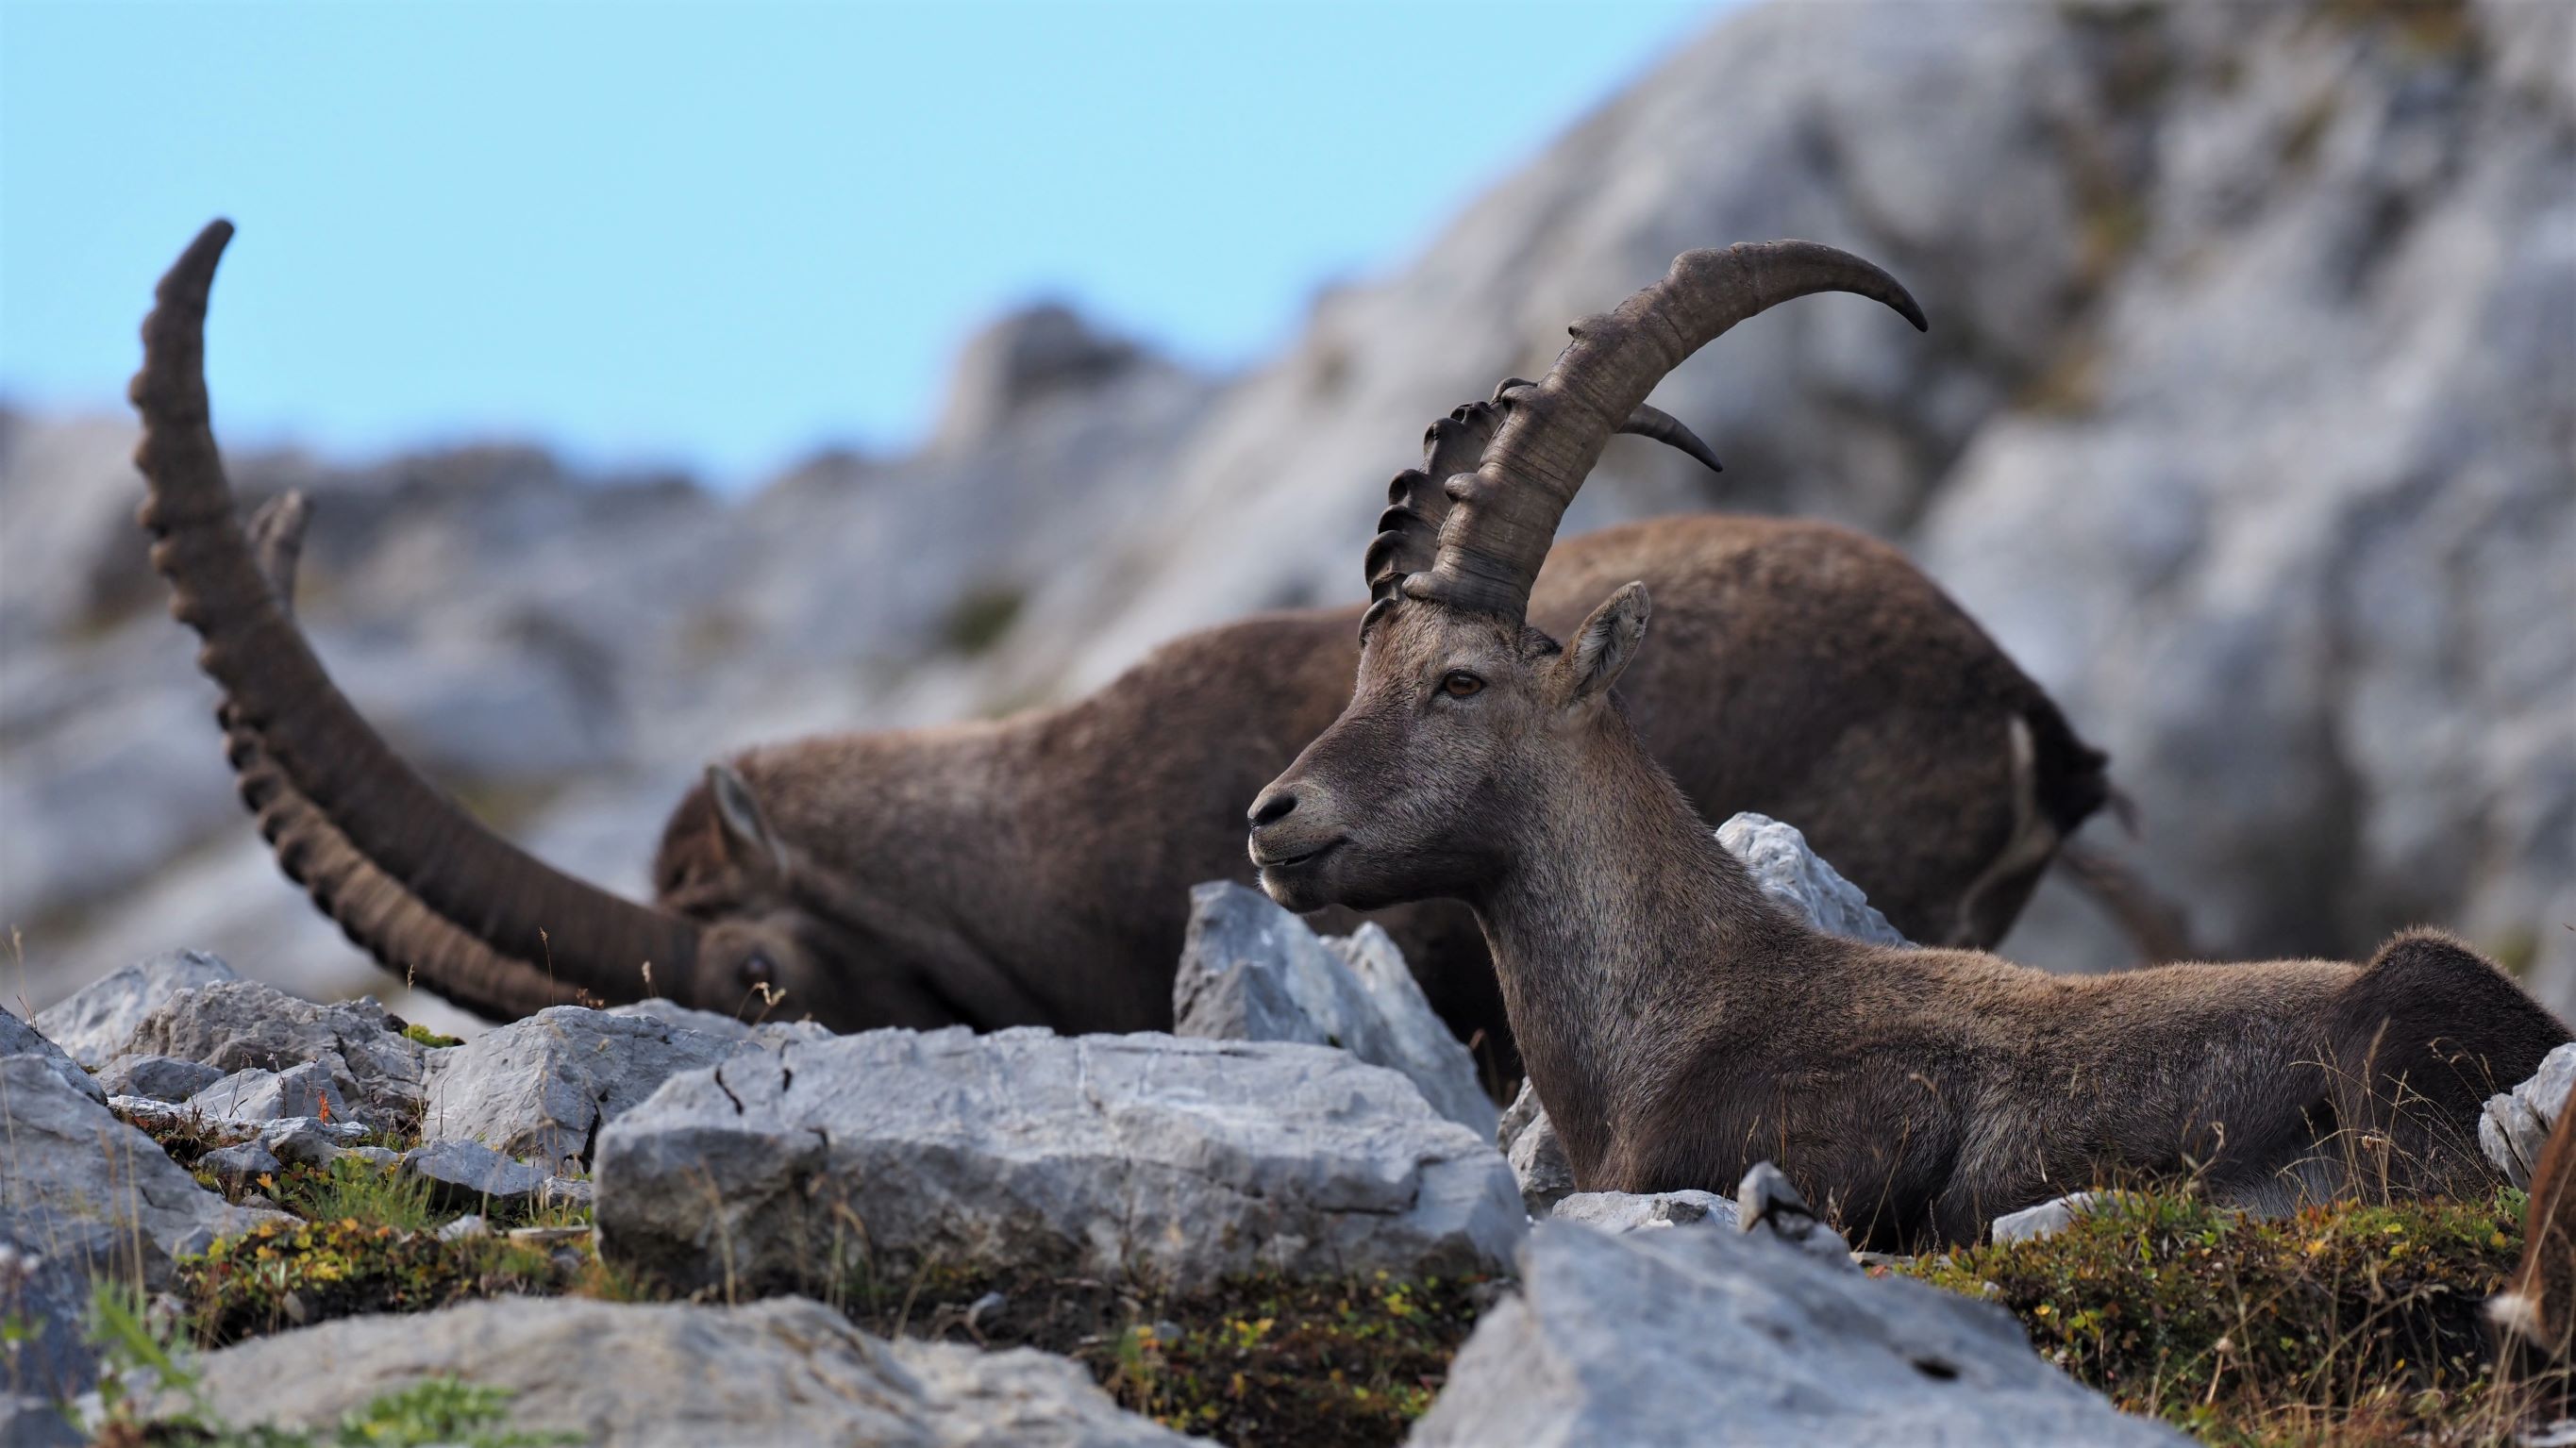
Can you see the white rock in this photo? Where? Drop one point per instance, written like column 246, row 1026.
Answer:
column 1182, row 1159
column 2515, row 1124
column 1797, row 877
column 259, row 1094
column 1647, row 1211
column 2045, row 1220
column 1251, row 971
column 1687, row 1338
column 1766, row 1204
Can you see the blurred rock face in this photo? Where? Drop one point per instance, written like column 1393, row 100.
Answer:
column 2246, row 423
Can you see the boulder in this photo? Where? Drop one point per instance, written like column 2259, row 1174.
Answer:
column 2515, row 1124
column 239, row 1163
column 467, row 1175
column 1179, row 1159
column 1722, row 1337
column 630, row 1375
column 1797, row 877
column 17, row 1038
column 1251, row 971
column 240, row 1025
column 256, row 1093
column 157, row 1078
column 539, row 1089
column 97, row 1023
column 28, row 1421
column 70, row 1161
column 1644, row 1211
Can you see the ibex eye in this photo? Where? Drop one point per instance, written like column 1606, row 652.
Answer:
column 1460, row 684
column 757, row 969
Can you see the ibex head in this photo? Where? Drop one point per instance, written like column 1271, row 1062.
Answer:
column 1464, row 716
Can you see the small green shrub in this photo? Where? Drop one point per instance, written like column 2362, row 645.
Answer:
column 2350, row 1323
column 427, row 1037
column 281, row 1275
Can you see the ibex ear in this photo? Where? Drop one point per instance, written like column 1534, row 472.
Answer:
column 1602, row 647
column 748, row 841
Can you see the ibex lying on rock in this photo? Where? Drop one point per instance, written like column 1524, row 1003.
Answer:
column 1037, row 869
column 1678, row 1027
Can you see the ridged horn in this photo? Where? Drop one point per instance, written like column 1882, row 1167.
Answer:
column 441, row 881
column 1502, row 518
column 1408, row 533
column 371, row 907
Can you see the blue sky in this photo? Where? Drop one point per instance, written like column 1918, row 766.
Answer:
column 720, row 235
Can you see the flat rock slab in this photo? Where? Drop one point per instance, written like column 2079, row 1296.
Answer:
column 1699, row 1338
column 69, row 1160
column 1645, row 1211
column 541, row 1088
column 467, row 1175
column 97, row 1023
column 157, row 1078
column 1179, row 1159
column 631, row 1375
column 244, row 1025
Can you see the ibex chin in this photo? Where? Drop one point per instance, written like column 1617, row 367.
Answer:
column 1037, row 869
column 1679, row 1028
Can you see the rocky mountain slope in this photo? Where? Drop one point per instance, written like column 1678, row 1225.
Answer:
column 2247, row 422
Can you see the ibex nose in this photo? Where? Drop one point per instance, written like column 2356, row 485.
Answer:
column 1273, row 806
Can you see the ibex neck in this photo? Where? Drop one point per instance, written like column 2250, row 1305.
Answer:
column 1617, row 926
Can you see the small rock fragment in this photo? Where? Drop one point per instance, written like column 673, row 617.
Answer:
column 157, row 1078
column 1644, row 1211
column 469, row 1174
column 259, row 1094
column 1766, row 1202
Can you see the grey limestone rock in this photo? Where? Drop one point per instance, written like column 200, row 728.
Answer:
column 97, row 1023
column 70, row 1161
column 1250, row 971
column 256, row 1093
column 628, row 1375
column 1644, row 1211
column 1175, row 1158
column 1795, row 876
column 157, row 1078
column 468, row 1174
column 2044, row 1220
column 2515, row 1124
column 1767, row 1204
column 540, row 1089
column 242, row 1025
column 17, row 1038
column 1692, row 1338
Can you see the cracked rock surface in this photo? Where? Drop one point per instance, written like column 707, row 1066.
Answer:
column 242, row 1025
column 1185, row 1159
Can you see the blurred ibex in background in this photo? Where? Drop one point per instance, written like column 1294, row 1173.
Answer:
column 1036, row 869
column 1679, row 1027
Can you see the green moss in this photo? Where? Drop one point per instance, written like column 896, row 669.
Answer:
column 2352, row 1324
column 979, row 618
column 1252, row 1361
column 427, row 1037
column 281, row 1275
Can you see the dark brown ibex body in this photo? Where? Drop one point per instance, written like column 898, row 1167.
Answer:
column 1036, row 869
column 1679, row 1027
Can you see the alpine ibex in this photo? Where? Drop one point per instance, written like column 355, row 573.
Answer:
column 1036, row 869
column 1678, row 1027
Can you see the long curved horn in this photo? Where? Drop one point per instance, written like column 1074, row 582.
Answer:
column 1502, row 519
column 1408, row 535
column 372, row 908
column 432, row 861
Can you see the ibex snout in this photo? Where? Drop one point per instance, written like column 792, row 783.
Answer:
column 1294, row 835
